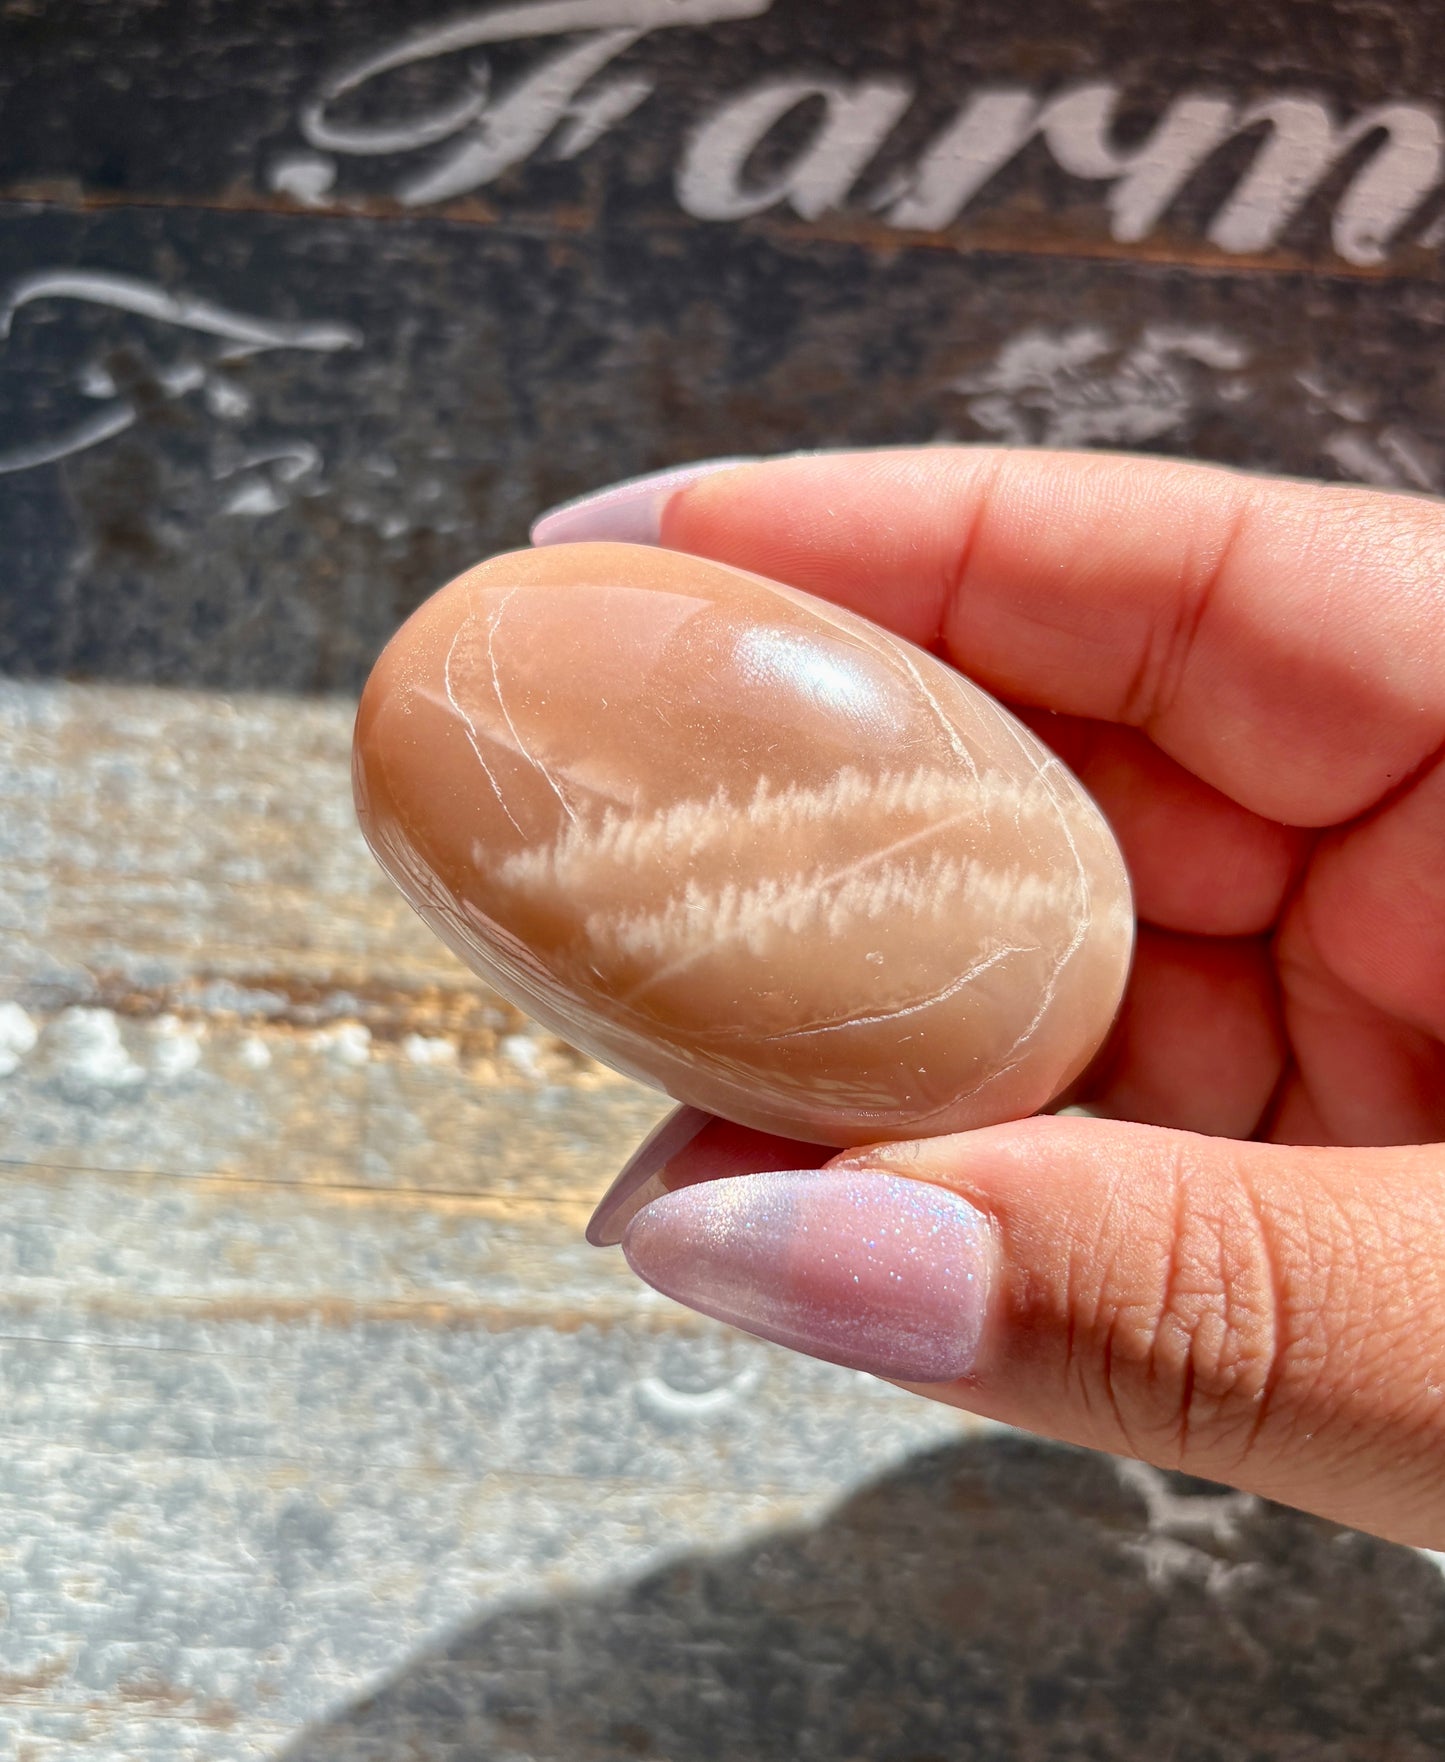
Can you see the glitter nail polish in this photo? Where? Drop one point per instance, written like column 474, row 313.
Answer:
column 855, row 1266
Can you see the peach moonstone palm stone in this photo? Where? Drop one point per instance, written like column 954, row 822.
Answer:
column 742, row 844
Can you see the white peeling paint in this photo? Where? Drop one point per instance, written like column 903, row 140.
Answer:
column 305, row 177
column 1416, row 462
column 88, row 1048
column 1184, row 1532
column 177, row 1049
column 521, row 1051
column 858, row 118
column 181, row 377
column 95, row 381
column 1084, row 387
column 1214, row 1516
column 254, row 1053
column 1349, row 403
column 263, row 492
column 519, row 123
column 226, row 400
column 349, row 1043
column 18, row 1035
column 255, row 497
column 593, row 114
column 1392, row 459
column 429, row 1049
column 293, row 460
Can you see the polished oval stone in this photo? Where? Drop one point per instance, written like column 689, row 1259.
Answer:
column 742, row 844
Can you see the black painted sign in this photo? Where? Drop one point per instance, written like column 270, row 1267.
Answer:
column 304, row 306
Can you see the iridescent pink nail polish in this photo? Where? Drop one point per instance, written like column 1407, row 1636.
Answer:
column 640, row 1179
column 627, row 513
column 689, row 1146
column 854, row 1266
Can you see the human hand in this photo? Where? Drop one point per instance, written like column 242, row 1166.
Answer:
column 1239, row 1270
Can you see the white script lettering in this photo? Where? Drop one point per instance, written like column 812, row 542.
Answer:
column 1397, row 148
column 856, row 121
column 514, row 127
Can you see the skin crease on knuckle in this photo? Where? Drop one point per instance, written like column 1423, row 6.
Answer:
column 1268, row 1318
column 1277, row 1335
column 1183, row 1322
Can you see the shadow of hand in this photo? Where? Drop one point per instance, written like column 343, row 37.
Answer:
column 996, row 1598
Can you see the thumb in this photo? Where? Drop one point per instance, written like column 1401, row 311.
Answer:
column 1266, row 1316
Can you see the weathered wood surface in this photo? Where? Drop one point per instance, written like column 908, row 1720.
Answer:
column 325, row 1436
column 304, row 1360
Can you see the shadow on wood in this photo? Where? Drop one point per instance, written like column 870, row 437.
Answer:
column 999, row 1598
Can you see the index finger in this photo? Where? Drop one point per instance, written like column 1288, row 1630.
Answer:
column 1283, row 640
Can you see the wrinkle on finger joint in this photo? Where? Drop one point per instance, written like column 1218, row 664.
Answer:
column 1172, row 638
column 1195, row 1332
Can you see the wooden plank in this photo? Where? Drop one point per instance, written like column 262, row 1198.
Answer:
column 222, row 981
column 302, row 1356
column 323, row 1435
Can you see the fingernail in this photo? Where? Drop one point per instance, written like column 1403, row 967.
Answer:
column 626, row 513
column 688, row 1146
column 641, row 1179
column 858, row 1267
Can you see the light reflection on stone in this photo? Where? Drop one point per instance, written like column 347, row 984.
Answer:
column 752, row 848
